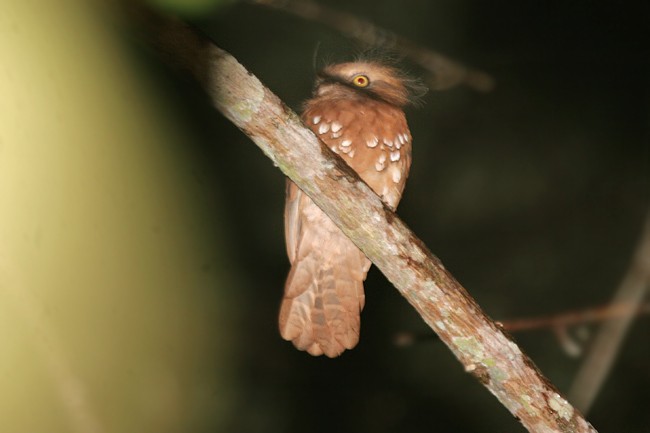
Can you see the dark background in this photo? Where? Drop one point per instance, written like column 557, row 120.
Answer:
column 533, row 195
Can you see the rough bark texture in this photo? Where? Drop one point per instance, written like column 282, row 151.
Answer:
column 478, row 343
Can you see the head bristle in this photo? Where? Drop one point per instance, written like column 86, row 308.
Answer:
column 387, row 81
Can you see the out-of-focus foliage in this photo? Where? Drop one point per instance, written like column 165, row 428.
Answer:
column 190, row 8
column 114, row 291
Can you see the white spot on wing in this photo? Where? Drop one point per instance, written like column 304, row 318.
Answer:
column 388, row 143
column 394, row 156
column 397, row 175
column 382, row 158
column 379, row 166
column 351, row 154
column 373, row 142
column 336, row 126
column 323, row 128
column 336, row 134
column 316, row 119
column 346, row 143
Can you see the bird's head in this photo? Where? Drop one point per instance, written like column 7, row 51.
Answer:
column 368, row 79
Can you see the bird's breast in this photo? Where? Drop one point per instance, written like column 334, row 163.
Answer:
column 373, row 138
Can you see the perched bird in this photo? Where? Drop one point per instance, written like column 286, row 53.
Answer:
column 357, row 110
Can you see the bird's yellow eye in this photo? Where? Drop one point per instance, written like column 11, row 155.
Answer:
column 360, row 80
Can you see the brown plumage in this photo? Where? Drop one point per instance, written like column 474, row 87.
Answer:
column 357, row 110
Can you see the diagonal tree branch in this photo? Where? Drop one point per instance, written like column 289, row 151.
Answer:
column 631, row 292
column 480, row 345
column 443, row 72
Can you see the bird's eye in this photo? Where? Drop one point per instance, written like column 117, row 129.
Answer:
column 361, row 80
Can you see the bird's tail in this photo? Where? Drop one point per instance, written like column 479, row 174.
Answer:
column 323, row 295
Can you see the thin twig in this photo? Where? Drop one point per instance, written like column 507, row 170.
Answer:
column 601, row 357
column 561, row 320
column 596, row 314
column 479, row 344
column 444, row 73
